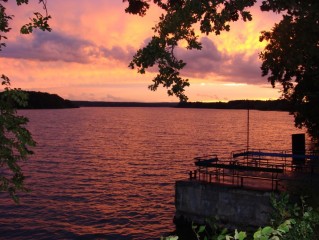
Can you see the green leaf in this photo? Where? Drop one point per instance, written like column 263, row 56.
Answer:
column 267, row 230
column 257, row 234
column 201, row 229
column 242, row 235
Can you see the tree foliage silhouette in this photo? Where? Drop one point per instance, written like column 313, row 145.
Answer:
column 291, row 58
column 15, row 139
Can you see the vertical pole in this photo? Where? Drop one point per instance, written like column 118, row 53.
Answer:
column 247, row 129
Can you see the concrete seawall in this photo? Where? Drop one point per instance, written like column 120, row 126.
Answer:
column 235, row 207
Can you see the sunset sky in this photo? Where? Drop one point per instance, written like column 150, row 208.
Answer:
column 86, row 56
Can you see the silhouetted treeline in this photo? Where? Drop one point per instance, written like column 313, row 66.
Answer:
column 41, row 100
column 270, row 105
column 123, row 104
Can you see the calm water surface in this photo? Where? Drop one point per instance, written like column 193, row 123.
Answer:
column 109, row 173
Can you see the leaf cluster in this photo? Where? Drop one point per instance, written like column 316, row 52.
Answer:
column 37, row 21
column 4, row 25
column 291, row 59
column 15, row 139
column 304, row 220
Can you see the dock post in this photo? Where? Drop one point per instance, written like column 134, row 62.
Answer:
column 298, row 148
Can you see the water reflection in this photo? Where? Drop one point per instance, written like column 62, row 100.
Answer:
column 109, row 173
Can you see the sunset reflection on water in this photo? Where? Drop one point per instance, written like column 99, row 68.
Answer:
column 109, row 173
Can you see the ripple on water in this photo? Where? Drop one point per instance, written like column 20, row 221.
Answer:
column 109, row 173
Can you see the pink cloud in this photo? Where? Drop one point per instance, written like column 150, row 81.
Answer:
column 58, row 46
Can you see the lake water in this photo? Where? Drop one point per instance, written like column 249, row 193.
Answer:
column 109, row 173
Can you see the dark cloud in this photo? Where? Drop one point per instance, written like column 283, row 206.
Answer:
column 238, row 67
column 119, row 53
column 204, row 60
column 246, row 69
column 57, row 46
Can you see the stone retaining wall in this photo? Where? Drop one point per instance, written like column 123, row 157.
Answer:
column 235, row 207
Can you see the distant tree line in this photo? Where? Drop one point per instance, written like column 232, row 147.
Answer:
column 42, row 100
column 270, row 105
